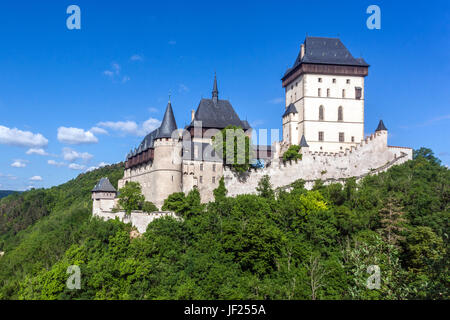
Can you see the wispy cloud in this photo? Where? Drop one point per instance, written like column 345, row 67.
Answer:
column 56, row 163
column 276, row 101
column 101, row 164
column 36, row 178
column 38, row 151
column 427, row 123
column 182, row 88
column 75, row 136
column 97, row 130
column 76, row 166
column 137, row 57
column 16, row 137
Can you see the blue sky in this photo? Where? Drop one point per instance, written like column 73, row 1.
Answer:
column 116, row 72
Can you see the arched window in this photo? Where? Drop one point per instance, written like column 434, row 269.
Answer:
column 340, row 114
column 321, row 113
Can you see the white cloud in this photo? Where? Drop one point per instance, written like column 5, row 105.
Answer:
column 131, row 127
column 136, row 57
column 75, row 136
column 101, row 164
column 55, row 163
column 72, row 155
column 98, row 130
column 38, row 151
column 114, row 71
column 16, row 137
column 36, row 178
column 19, row 163
column 75, row 166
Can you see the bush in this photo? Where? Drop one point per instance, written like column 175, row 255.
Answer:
column 292, row 153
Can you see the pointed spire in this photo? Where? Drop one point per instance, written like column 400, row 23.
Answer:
column 303, row 142
column 381, row 126
column 168, row 124
column 215, row 92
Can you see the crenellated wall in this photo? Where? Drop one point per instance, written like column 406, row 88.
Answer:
column 371, row 156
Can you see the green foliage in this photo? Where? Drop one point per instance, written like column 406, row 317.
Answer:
column 148, row 207
column 239, row 159
column 292, row 153
column 130, row 197
column 299, row 244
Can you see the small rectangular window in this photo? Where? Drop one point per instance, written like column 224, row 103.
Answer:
column 341, row 137
column 353, row 139
column 348, row 81
column 201, row 179
column 358, row 92
column 214, row 168
column 213, row 179
column 201, row 166
column 320, row 135
column 334, row 80
column 320, row 79
column 328, row 92
column 319, row 92
column 343, row 93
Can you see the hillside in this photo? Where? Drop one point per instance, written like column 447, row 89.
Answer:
column 275, row 245
column 5, row 193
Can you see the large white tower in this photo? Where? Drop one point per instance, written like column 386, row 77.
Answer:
column 324, row 96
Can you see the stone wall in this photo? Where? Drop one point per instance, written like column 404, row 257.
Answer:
column 138, row 219
column 371, row 156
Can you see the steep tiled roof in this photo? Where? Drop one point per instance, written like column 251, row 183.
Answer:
column 303, row 142
column 104, row 186
column 326, row 51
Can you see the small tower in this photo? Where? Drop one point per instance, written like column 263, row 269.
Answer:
column 382, row 132
column 166, row 167
column 290, row 125
column 381, row 127
column 103, row 196
column 303, row 144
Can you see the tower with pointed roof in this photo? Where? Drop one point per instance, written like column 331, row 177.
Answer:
column 103, row 196
column 324, row 96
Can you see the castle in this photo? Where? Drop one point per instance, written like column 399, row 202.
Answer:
column 324, row 115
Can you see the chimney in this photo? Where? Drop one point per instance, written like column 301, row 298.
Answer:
column 192, row 114
column 302, row 50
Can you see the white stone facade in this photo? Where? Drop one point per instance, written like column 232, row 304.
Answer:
column 311, row 92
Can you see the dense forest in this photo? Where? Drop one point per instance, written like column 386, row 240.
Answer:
column 4, row 193
column 277, row 244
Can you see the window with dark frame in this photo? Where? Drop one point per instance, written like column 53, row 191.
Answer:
column 358, row 92
column 341, row 137
column 321, row 113
column 340, row 114
column 320, row 135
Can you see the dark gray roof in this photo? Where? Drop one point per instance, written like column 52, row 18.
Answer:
column 218, row 114
column 206, row 152
column 303, row 142
column 104, row 186
column 245, row 125
column 168, row 124
column 326, row 51
column 290, row 109
column 381, row 126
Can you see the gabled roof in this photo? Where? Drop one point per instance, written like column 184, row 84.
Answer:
column 321, row 50
column 303, row 142
column 381, row 126
column 290, row 109
column 168, row 124
column 104, row 186
column 218, row 114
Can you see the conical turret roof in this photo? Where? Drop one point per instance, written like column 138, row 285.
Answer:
column 168, row 124
column 104, row 186
column 381, row 126
column 303, row 142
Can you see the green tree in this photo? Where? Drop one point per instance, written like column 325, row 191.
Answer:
column 292, row 153
column 130, row 197
column 264, row 188
column 240, row 156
